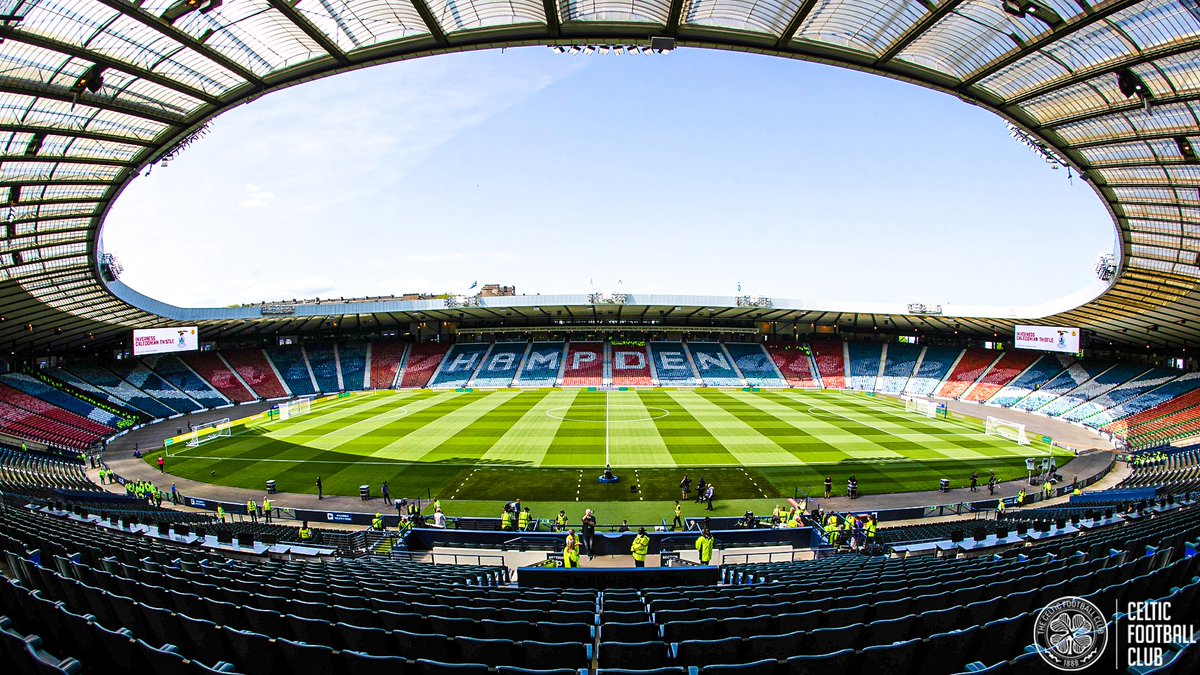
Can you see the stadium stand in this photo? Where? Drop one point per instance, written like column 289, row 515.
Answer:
column 1001, row 374
column 41, row 475
column 542, row 365
column 970, row 367
column 33, row 419
column 1095, row 411
column 1175, row 389
column 1174, row 421
column 32, row 386
column 460, row 364
column 831, row 362
column 631, row 366
column 352, row 361
column 423, row 361
column 324, row 366
column 585, row 365
column 1076, row 374
column 865, row 358
column 794, row 364
column 713, row 364
column 125, row 394
column 254, row 369
column 170, row 368
column 1101, row 384
column 141, row 376
column 673, row 364
column 1046, row 368
column 756, row 365
column 37, row 406
column 935, row 366
column 289, row 363
column 500, row 367
column 211, row 367
column 901, row 362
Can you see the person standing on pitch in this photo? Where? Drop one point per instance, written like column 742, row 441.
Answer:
column 700, row 490
column 705, row 546
column 641, row 544
column 319, row 495
column 708, row 496
column 588, row 529
column 387, row 496
column 161, row 461
column 974, row 482
column 685, row 487
column 678, row 522
column 828, row 486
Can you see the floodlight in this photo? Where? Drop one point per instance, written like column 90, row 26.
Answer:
column 1131, row 85
column 91, row 79
column 1186, row 150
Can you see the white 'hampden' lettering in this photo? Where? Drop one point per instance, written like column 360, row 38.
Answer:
column 621, row 361
column 544, row 360
column 705, row 361
column 673, row 361
column 502, row 361
column 582, row 358
column 463, row 362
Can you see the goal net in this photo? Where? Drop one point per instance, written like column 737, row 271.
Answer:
column 921, row 406
column 297, row 408
column 210, row 431
column 1013, row 431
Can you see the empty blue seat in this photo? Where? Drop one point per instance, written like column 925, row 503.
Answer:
column 842, row 661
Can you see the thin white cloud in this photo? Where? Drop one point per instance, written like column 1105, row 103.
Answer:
column 457, row 256
column 254, row 197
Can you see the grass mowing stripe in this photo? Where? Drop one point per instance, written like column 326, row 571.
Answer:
column 421, row 443
column 328, row 415
column 528, row 439
column 633, row 436
column 748, row 446
column 812, row 445
column 335, row 436
column 856, row 440
column 690, row 444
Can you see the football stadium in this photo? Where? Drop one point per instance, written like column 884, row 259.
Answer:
column 449, row 477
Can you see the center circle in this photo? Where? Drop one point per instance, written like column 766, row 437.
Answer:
column 559, row 413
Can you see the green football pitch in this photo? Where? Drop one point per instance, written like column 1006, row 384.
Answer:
column 550, row 445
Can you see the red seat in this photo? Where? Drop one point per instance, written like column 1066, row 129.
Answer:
column 385, row 361
column 210, row 366
column 423, row 361
column 585, row 365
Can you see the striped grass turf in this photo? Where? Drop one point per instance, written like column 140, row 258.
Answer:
column 550, row 444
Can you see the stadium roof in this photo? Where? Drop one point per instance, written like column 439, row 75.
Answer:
column 94, row 92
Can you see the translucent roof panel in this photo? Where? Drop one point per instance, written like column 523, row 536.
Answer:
column 458, row 15
column 861, row 26
column 616, row 11
column 972, row 36
column 762, row 17
column 357, row 24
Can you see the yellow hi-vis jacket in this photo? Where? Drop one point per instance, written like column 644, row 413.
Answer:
column 641, row 544
column 705, row 546
column 523, row 521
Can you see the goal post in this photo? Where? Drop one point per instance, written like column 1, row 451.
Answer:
column 297, row 408
column 209, row 431
column 1013, row 431
column 922, row 406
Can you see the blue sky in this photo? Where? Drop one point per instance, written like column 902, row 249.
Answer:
column 683, row 173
